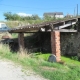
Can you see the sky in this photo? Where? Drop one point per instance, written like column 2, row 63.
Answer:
column 28, row 7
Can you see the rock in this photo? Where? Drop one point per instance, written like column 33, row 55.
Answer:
column 5, row 37
column 52, row 58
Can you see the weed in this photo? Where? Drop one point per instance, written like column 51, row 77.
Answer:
column 74, row 58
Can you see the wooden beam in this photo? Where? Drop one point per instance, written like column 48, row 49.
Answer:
column 34, row 31
column 62, row 30
column 21, row 40
column 67, row 25
column 52, row 27
column 66, row 30
column 23, row 30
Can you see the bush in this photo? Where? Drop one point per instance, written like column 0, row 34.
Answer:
column 74, row 58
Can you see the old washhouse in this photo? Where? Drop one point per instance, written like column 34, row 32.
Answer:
column 55, row 28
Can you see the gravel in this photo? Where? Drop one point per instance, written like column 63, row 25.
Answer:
column 11, row 71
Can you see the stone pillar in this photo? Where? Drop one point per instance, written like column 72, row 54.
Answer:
column 55, row 44
column 21, row 40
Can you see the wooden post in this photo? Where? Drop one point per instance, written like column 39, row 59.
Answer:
column 55, row 44
column 21, row 40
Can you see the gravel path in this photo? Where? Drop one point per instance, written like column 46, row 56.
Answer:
column 11, row 71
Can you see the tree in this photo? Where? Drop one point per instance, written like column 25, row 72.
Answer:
column 35, row 17
column 13, row 17
column 48, row 18
column 8, row 15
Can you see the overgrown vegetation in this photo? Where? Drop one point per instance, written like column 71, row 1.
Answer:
column 70, row 70
column 13, row 17
column 15, row 20
column 13, row 24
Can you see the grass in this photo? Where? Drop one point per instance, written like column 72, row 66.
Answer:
column 70, row 70
column 15, row 35
column 14, row 24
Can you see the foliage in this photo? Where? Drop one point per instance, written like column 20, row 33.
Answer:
column 31, row 19
column 15, row 17
column 74, row 58
column 14, row 35
column 48, row 18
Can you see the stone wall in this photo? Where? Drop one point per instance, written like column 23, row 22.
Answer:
column 41, row 42
column 70, row 44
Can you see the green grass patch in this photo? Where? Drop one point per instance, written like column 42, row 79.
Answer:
column 41, row 56
column 70, row 61
column 70, row 70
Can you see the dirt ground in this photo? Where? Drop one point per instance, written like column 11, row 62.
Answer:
column 11, row 71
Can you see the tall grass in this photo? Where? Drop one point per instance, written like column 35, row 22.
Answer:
column 13, row 24
column 52, row 71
